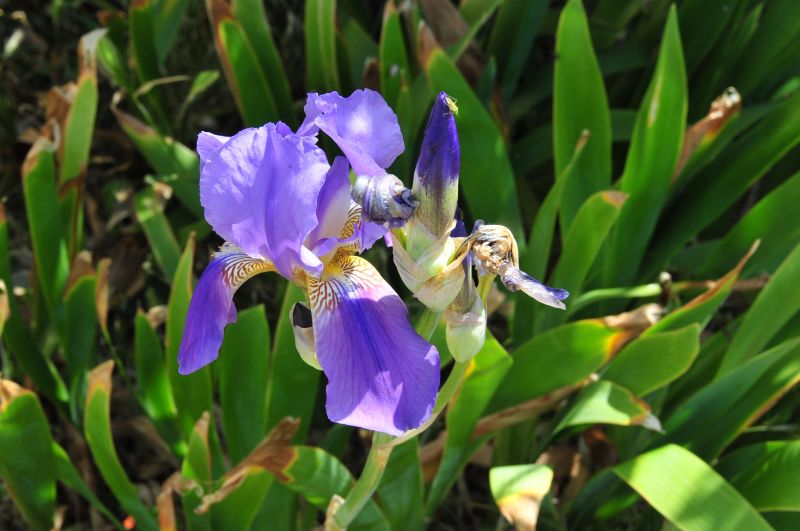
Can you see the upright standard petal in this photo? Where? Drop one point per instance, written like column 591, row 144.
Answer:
column 436, row 175
column 382, row 375
column 259, row 191
column 211, row 307
column 363, row 126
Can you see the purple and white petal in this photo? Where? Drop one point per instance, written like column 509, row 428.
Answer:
column 517, row 280
column 363, row 126
column 382, row 375
column 259, row 191
column 211, row 307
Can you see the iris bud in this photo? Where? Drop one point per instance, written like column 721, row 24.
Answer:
column 427, row 258
column 466, row 319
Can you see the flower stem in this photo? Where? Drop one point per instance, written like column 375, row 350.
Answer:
column 366, row 484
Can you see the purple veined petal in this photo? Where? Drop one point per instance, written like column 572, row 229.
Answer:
column 259, row 191
column 517, row 280
column 211, row 307
column 382, row 375
column 208, row 144
column 363, row 126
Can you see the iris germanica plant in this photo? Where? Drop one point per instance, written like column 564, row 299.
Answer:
column 280, row 206
column 272, row 195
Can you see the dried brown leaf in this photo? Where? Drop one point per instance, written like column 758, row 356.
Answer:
column 274, row 454
column 723, row 108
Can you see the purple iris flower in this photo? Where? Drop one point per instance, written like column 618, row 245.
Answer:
column 271, row 194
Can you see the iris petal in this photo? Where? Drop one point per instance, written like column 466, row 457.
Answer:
column 259, row 191
column 211, row 307
column 517, row 280
column 363, row 126
column 382, row 375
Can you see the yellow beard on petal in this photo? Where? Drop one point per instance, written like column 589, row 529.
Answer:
column 344, row 274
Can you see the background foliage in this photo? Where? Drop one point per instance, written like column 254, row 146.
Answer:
column 666, row 392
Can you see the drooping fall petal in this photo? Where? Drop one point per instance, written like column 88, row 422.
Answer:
column 211, row 308
column 381, row 374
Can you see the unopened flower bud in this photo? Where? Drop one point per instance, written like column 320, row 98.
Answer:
column 466, row 319
column 426, row 256
column 436, row 175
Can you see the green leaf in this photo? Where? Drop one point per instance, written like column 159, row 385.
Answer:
column 44, row 222
column 192, row 392
column 511, row 40
column 778, row 234
column 766, row 474
column 535, row 257
column 702, row 308
column 17, row 335
column 247, row 80
column 309, row 471
column 609, row 19
column 158, row 231
column 244, row 366
column 775, row 305
column 201, row 82
column 605, row 402
column 80, row 326
column 567, row 355
column 68, row 475
column 581, row 246
column 719, row 185
column 483, row 150
column 715, row 415
column 167, row 18
column 154, row 391
column 197, row 467
column 318, row 476
column 76, row 138
column 519, row 490
column 703, row 22
column 143, row 41
column 579, row 102
column 252, row 17
column 292, row 385
column 239, row 509
column 357, row 50
column 320, row 31
column 774, row 42
column 484, row 373
column 26, row 455
column 584, row 239
column 394, row 66
column 97, row 429
column 113, row 63
column 401, row 489
column 652, row 157
column 687, row 491
column 167, row 157
column 653, row 361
